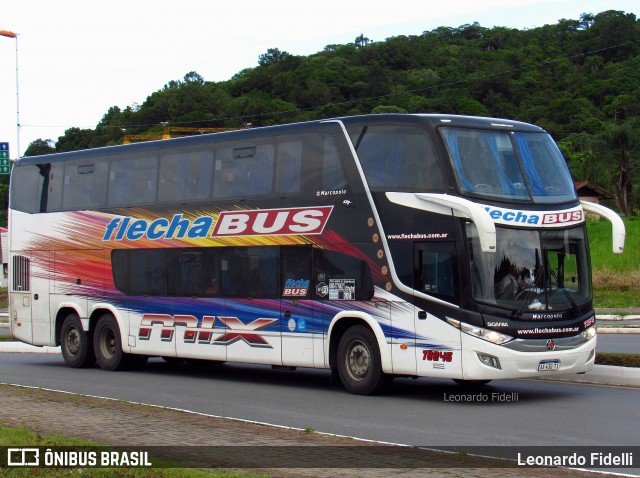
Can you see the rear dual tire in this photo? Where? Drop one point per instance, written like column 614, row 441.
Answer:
column 107, row 343
column 76, row 344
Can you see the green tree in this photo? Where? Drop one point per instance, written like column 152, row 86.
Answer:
column 387, row 109
column 272, row 56
column 75, row 139
column 40, row 146
column 623, row 150
column 361, row 40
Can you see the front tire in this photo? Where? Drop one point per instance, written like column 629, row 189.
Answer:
column 107, row 344
column 76, row 344
column 359, row 363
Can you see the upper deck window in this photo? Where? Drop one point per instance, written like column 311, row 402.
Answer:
column 397, row 158
column 243, row 169
column 133, row 180
column 185, row 175
column 511, row 166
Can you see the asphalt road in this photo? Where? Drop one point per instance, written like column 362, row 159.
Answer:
column 416, row 412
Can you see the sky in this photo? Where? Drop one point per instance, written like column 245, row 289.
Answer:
column 78, row 58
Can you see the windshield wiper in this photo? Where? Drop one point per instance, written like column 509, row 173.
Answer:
column 520, row 310
column 574, row 306
column 527, row 294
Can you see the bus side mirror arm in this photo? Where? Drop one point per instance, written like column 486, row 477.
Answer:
column 619, row 232
column 453, row 205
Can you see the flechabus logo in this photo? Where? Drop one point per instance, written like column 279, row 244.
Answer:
column 534, row 218
column 281, row 222
column 260, row 222
column 564, row 217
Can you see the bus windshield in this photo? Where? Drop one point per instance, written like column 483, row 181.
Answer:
column 531, row 270
column 509, row 166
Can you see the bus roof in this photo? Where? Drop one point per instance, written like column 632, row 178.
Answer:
column 429, row 120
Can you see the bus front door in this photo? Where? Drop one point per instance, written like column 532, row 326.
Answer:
column 437, row 348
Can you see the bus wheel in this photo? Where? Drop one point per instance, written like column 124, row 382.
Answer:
column 76, row 344
column 108, row 344
column 359, row 363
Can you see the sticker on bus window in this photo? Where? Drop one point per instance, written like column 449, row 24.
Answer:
column 296, row 288
column 342, row 289
column 322, row 289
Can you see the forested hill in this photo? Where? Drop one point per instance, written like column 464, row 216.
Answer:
column 579, row 79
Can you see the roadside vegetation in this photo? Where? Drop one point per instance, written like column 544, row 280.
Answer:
column 616, row 277
column 618, row 359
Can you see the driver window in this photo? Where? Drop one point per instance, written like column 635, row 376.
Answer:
column 435, row 269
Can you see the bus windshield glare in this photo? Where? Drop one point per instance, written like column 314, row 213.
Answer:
column 509, row 166
column 531, row 270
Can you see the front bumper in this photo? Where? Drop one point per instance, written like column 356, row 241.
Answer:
column 523, row 363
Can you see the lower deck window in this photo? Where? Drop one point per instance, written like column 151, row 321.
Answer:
column 267, row 272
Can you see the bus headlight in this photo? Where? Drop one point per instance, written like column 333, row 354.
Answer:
column 589, row 333
column 480, row 332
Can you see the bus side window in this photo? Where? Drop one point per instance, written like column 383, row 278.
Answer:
column 309, row 164
column 133, row 181
column 140, row 271
column 333, row 177
column 194, row 272
column 341, row 277
column 289, row 166
column 185, row 176
column 435, row 269
column 249, row 272
column 243, row 171
column 28, row 197
column 41, row 189
column 260, row 176
column 84, row 184
column 398, row 158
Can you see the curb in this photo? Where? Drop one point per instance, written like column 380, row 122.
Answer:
column 617, row 317
column 20, row 347
column 619, row 330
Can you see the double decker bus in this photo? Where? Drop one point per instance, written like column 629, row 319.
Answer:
column 375, row 246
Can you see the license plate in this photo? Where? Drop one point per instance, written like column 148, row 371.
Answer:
column 547, row 365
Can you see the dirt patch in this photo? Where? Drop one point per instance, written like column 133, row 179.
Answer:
column 612, row 280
